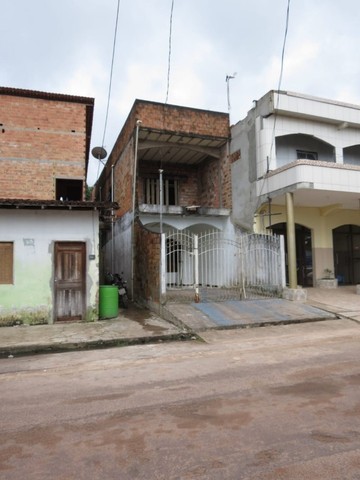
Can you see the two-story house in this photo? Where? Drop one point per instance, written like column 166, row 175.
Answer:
column 173, row 235
column 49, row 253
column 169, row 171
column 298, row 174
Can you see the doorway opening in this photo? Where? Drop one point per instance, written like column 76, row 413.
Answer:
column 346, row 241
column 304, row 261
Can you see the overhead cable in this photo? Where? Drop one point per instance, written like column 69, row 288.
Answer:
column 278, row 96
column 111, row 71
column 280, row 77
column 110, row 79
column 169, row 55
column 284, row 44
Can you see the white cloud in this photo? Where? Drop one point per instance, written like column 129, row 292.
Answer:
column 66, row 47
column 85, row 81
column 299, row 60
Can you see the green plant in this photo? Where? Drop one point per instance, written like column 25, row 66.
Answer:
column 328, row 273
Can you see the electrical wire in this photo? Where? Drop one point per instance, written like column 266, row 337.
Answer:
column 168, row 77
column 110, row 79
column 284, row 44
column 280, row 76
column 169, row 54
column 278, row 97
column 111, row 71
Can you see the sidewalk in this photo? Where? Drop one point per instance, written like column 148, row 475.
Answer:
column 343, row 301
column 184, row 322
column 133, row 326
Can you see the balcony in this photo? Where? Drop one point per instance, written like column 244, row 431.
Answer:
column 187, row 210
column 316, row 184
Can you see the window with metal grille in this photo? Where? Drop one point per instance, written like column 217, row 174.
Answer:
column 170, row 191
column 306, row 155
column 6, row 263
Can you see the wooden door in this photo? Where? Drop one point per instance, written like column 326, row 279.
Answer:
column 69, row 280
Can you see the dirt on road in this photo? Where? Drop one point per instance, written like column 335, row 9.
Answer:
column 269, row 403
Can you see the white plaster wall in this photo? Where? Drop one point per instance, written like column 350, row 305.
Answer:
column 327, row 132
column 34, row 233
column 319, row 108
column 322, row 178
column 332, row 122
column 178, row 222
column 246, row 139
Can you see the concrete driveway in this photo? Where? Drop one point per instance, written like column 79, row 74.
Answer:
column 321, row 304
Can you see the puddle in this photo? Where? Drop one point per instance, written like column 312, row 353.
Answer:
column 144, row 317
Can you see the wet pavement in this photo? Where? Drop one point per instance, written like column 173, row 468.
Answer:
column 180, row 322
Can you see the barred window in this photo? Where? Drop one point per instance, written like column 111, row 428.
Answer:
column 170, row 191
column 6, row 263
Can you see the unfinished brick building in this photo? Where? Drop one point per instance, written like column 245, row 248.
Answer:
column 169, row 170
column 48, row 232
column 45, row 139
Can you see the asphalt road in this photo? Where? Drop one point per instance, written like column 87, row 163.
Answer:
column 268, row 403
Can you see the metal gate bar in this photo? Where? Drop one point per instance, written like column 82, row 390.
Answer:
column 213, row 266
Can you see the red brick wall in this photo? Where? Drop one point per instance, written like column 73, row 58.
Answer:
column 225, row 175
column 40, row 140
column 147, row 264
column 182, row 119
column 187, row 177
column 207, row 185
column 123, row 180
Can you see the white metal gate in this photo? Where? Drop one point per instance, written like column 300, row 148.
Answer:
column 212, row 266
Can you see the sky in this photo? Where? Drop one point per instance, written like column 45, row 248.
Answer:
column 66, row 47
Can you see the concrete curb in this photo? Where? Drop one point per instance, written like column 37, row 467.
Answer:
column 58, row 347
column 270, row 323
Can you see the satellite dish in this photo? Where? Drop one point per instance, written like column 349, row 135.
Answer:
column 99, row 152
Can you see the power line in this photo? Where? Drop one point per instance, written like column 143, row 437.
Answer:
column 110, row 79
column 111, row 72
column 284, row 43
column 280, row 78
column 169, row 55
column 278, row 96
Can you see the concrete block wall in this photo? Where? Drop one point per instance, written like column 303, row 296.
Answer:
column 41, row 139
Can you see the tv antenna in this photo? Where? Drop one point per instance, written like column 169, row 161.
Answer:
column 228, row 78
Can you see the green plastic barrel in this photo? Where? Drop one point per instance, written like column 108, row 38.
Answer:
column 108, row 301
